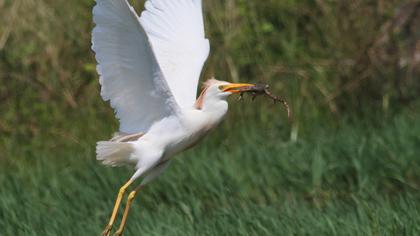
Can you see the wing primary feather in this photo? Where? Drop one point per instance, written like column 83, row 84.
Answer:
column 176, row 32
column 130, row 75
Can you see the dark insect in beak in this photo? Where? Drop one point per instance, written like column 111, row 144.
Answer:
column 263, row 89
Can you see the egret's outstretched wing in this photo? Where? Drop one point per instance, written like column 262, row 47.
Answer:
column 129, row 72
column 176, row 31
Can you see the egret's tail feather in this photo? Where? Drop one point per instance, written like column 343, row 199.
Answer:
column 114, row 153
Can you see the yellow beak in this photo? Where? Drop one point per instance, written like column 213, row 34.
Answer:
column 234, row 87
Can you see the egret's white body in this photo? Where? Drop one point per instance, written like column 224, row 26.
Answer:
column 167, row 137
column 149, row 69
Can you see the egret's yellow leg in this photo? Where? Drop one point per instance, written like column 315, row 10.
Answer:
column 108, row 228
column 130, row 199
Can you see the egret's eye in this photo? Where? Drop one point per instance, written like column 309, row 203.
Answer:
column 224, row 87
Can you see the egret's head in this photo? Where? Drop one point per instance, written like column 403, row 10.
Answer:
column 215, row 91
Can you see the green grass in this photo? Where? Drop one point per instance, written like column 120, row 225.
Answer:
column 339, row 178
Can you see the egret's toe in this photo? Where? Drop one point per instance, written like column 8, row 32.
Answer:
column 107, row 230
column 118, row 233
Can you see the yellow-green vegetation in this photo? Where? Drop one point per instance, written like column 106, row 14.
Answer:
column 348, row 164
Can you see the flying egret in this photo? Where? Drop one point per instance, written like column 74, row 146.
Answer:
column 149, row 69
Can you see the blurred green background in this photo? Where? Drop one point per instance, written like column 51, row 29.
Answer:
column 348, row 164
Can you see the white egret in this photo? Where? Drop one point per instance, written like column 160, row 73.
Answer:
column 149, row 69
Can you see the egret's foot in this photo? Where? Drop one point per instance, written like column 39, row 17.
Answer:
column 131, row 196
column 107, row 230
column 118, row 233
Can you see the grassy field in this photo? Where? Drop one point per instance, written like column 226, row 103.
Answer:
column 349, row 177
column 348, row 164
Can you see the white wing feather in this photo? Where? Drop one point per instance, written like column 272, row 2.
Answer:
column 176, row 31
column 129, row 72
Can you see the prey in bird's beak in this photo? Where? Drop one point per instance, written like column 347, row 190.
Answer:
column 257, row 90
column 235, row 87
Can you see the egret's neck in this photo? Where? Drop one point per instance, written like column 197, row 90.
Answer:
column 212, row 104
column 215, row 108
